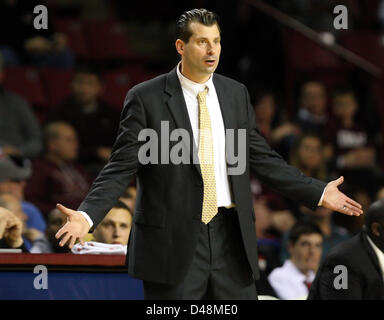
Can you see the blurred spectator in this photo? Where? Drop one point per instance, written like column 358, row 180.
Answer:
column 11, row 203
column 47, row 243
column 57, row 177
column 95, row 122
column 363, row 259
column 14, row 172
column 279, row 134
column 380, row 194
column 351, row 150
column 347, row 140
column 111, row 235
column 312, row 115
column 22, row 43
column 20, row 130
column 294, row 278
column 11, row 228
column 307, row 155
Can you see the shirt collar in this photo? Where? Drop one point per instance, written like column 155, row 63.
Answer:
column 293, row 270
column 191, row 87
column 379, row 254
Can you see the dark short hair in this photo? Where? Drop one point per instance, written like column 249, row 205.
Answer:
column 87, row 69
column 303, row 228
column 202, row 16
column 121, row 205
column 343, row 91
column 375, row 213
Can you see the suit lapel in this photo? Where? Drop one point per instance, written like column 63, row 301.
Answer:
column 371, row 253
column 178, row 109
column 227, row 110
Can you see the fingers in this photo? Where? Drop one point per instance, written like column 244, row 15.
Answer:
column 63, row 209
column 350, row 210
column 65, row 239
column 72, row 242
column 339, row 181
column 354, row 203
column 61, row 231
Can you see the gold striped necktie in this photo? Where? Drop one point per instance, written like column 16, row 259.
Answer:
column 206, row 158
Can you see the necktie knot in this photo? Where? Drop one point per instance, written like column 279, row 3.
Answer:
column 202, row 95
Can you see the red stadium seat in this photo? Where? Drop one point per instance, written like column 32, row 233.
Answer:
column 303, row 54
column 368, row 45
column 26, row 82
column 108, row 40
column 74, row 30
column 118, row 82
column 57, row 84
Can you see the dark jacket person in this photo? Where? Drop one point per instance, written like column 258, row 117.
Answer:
column 354, row 269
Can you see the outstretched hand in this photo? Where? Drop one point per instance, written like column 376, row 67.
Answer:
column 75, row 228
column 335, row 200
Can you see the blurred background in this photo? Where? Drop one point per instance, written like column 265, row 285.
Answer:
column 318, row 95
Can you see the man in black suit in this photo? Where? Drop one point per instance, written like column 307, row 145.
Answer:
column 193, row 234
column 354, row 269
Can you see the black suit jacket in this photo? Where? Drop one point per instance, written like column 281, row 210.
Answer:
column 169, row 197
column 365, row 280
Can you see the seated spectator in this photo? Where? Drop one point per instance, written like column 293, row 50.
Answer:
column 11, row 203
column 380, row 194
column 112, row 234
column 312, row 115
column 47, row 243
column 279, row 134
column 293, row 279
column 14, row 172
column 307, row 156
column 26, row 44
column 95, row 122
column 116, row 226
column 11, row 228
column 56, row 176
column 347, row 141
column 333, row 234
column 20, row 130
column 362, row 259
column 350, row 149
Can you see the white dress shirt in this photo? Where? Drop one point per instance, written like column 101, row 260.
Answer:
column 289, row 282
column 190, row 92
column 379, row 254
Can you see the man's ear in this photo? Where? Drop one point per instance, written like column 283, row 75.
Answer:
column 179, row 44
column 375, row 229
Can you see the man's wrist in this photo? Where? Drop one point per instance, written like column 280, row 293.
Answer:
column 87, row 218
column 321, row 198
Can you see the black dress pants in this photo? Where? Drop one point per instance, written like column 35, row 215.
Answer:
column 219, row 270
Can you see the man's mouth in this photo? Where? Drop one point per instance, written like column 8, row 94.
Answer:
column 210, row 62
